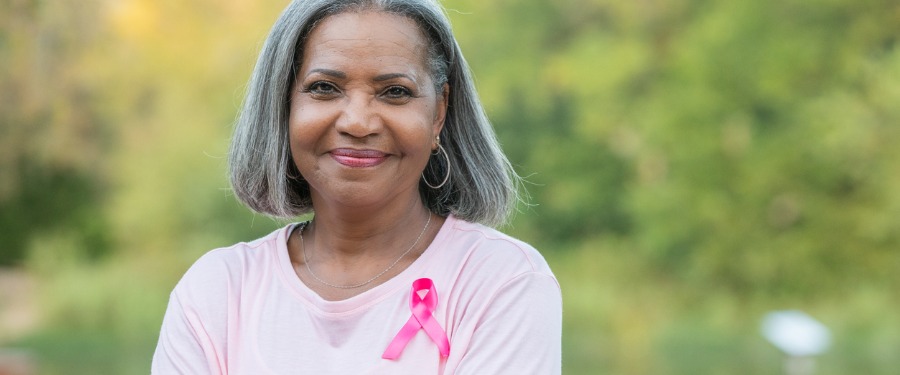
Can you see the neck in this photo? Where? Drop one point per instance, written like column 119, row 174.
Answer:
column 359, row 233
column 348, row 246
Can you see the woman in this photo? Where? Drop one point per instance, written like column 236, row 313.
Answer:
column 364, row 113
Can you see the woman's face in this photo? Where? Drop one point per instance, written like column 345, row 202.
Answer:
column 364, row 111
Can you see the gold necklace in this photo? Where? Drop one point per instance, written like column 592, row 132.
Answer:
column 354, row 286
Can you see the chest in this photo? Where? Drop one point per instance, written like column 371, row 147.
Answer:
column 276, row 335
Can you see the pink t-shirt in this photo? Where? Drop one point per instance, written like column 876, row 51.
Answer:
column 243, row 310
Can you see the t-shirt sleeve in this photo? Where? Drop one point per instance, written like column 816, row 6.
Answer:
column 520, row 331
column 184, row 346
column 192, row 337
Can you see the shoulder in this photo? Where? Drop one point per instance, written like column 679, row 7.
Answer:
column 501, row 251
column 491, row 262
column 220, row 272
column 502, row 288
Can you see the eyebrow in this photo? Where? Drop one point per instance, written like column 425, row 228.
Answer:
column 341, row 75
column 328, row 72
column 389, row 76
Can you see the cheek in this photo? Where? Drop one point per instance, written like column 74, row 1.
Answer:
column 304, row 127
column 415, row 125
column 301, row 139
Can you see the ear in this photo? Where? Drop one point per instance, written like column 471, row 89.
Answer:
column 441, row 111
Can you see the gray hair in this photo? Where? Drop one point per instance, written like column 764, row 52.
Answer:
column 483, row 187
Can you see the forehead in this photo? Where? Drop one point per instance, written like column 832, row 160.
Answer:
column 365, row 36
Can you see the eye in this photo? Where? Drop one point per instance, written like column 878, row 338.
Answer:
column 321, row 89
column 397, row 92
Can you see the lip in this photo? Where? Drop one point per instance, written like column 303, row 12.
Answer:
column 358, row 158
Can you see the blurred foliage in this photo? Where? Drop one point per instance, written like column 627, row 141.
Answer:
column 52, row 136
column 693, row 163
column 737, row 145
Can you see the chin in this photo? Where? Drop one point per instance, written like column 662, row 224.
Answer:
column 361, row 194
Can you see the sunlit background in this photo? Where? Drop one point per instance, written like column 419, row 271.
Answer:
column 694, row 165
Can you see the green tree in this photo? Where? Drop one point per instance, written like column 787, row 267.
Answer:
column 52, row 135
column 742, row 144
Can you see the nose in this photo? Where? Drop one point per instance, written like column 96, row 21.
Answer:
column 358, row 117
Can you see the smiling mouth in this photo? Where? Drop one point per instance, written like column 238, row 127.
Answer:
column 358, row 158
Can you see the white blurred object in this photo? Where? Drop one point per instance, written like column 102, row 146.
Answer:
column 795, row 333
column 799, row 336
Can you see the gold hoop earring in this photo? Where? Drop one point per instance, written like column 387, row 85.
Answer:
column 440, row 150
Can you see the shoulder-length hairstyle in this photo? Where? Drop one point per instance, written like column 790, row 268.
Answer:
column 482, row 186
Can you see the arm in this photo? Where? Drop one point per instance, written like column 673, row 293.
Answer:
column 520, row 331
column 184, row 346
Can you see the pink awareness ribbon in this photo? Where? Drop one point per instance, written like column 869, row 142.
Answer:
column 422, row 309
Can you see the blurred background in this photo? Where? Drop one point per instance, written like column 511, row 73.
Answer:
column 694, row 164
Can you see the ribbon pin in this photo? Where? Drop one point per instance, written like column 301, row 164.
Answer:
column 422, row 308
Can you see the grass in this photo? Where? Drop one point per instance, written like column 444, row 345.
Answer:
column 88, row 353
